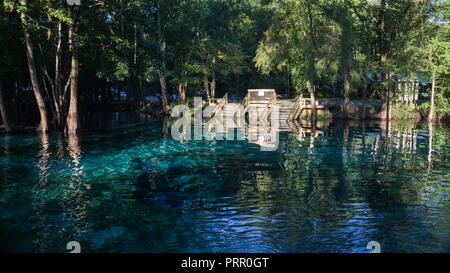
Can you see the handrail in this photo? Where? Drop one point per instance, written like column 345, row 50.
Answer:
column 220, row 104
column 242, row 107
column 266, row 114
column 298, row 106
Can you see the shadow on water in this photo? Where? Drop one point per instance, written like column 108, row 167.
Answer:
column 130, row 187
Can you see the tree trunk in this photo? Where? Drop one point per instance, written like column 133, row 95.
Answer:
column 16, row 102
column 140, row 86
column 213, row 84
column 388, row 97
column 3, row 111
column 43, row 125
column 206, row 86
column 181, row 93
column 313, row 103
column 163, row 83
column 433, row 81
column 364, row 101
column 433, row 87
column 383, row 43
column 384, row 106
column 135, row 40
column 384, row 100
column 162, row 70
column 72, row 123
column 288, row 82
column 311, row 72
column 346, row 96
column 58, row 99
column 366, row 84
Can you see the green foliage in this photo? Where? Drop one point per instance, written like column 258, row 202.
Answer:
column 441, row 106
column 305, row 36
column 239, row 44
column 403, row 112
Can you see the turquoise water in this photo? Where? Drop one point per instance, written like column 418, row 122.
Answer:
column 128, row 187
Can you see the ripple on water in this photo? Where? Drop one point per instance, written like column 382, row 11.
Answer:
column 127, row 189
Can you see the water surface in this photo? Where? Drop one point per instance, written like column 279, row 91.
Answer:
column 128, row 187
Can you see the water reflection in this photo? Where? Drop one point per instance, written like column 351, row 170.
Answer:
column 44, row 156
column 41, row 240
column 74, row 150
column 59, row 195
column 430, row 144
column 327, row 188
column 76, row 200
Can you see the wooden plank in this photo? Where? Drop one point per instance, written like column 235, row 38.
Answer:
column 259, row 101
column 262, row 96
column 256, row 91
column 318, row 107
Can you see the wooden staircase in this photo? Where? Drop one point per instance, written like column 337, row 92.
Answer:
column 228, row 120
column 230, row 110
column 263, row 105
column 284, row 108
column 234, row 113
column 228, row 115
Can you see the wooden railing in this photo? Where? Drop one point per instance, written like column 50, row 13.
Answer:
column 220, row 104
column 298, row 107
column 243, row 107
column 269, row 108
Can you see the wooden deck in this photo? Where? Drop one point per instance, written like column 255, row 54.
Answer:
column 226, row 117
column 263, row 101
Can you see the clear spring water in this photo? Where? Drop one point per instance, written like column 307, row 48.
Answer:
column 128, row 188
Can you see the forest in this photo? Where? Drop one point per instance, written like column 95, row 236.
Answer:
column 61, row 63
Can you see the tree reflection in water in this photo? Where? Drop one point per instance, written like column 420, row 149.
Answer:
column 128, row 189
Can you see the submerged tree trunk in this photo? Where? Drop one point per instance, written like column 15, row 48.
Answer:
column 3, row 111
column 430, row 144
column 72, row 123
column 43, row 125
